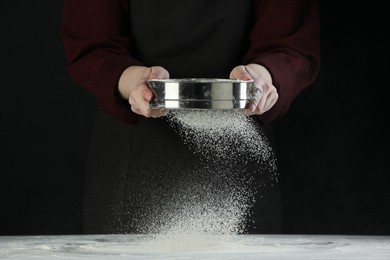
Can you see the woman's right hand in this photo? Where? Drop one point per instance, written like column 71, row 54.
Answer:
column 133, row 87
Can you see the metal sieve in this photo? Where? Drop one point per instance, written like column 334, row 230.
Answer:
column 200, row 93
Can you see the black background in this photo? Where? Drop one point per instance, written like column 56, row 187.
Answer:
column 332, row 145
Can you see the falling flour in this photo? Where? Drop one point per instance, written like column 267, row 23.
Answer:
column 223, row 135
column 216, row 197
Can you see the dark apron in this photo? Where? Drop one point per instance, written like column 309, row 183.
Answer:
column 137, row 172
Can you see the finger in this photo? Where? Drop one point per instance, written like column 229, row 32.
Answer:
column 135, row 110
column 271, row 97
column 256, row 107
column 246, row 112
column 256, row 92
column 141, row 95
column 250, row 112
column 147, row 94
column 271, row 101
column 266, row 103
column 252, row 74
column 147, row 111
column 164, row 112
column 156, row 113
column 139, row 99
column 157, row 72
column 240, row 73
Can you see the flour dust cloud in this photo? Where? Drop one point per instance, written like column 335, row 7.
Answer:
column 215, row 197
column 218, row 198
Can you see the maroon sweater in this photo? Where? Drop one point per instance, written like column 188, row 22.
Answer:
column 196, row 39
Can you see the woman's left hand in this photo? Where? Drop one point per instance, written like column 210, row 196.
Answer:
column 264, row 95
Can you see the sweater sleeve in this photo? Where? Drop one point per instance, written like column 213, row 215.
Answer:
column 285, row 40
column 97, row 43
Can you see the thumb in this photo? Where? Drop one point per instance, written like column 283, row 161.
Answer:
column 240, row 73
column 157, row 72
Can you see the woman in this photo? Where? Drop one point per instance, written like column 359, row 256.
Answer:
column 114, row 46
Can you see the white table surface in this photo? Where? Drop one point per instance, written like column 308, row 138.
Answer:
column 234, row 247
